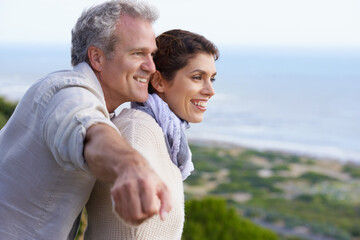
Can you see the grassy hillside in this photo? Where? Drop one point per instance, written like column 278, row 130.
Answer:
column 293, row 195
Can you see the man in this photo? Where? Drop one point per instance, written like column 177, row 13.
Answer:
column 60, row 138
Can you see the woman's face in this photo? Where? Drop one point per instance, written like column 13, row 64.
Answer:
column 188, row 93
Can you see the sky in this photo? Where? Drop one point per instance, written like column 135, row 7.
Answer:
column 299, row 23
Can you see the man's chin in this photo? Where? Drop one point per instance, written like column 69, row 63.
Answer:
column 142, row 98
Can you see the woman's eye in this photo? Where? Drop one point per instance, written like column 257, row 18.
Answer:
column 196, row 77
column 212, row 79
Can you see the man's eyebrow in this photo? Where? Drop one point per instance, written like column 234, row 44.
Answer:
column 144, row 49
column 137, row 49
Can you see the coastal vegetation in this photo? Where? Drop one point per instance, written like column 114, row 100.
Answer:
column 298, row 197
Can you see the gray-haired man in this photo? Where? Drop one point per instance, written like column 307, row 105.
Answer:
column 60, row 138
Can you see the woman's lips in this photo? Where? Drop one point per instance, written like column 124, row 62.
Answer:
column 200, row 104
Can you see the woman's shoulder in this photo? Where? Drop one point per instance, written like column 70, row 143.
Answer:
column 134, row 118
column 133, row 115
column 143, row 133
column 132, row 122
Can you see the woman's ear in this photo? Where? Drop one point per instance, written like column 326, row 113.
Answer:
column 158, row 82
column 96, row 57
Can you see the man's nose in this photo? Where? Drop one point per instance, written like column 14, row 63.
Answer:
column 149, row 65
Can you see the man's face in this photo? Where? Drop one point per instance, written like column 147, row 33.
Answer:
column 125, row 76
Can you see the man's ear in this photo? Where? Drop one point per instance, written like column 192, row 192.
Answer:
column 158, row 82
column 96, row 58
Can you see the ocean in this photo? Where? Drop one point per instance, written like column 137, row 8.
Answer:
column 304, row 101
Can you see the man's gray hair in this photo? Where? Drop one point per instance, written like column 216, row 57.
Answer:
column 96, row 26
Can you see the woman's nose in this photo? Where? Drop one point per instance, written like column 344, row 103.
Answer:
column 209, row 88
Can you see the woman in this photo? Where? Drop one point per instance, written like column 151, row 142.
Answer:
column 180, row 90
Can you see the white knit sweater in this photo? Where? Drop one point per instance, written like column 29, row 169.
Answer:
column 145, row 135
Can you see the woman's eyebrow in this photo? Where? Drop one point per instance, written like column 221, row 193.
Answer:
column 202, row 72
column 198, row 70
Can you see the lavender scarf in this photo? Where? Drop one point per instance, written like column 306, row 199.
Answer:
column 174, row 132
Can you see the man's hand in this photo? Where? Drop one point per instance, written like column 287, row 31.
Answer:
column 138, row 192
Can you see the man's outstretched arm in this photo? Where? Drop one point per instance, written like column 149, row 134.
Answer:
column 136, row 189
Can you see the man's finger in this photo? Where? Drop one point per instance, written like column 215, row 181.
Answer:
column 149, row 198
column 166, row 205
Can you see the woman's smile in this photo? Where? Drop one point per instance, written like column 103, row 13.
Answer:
column 200, row 104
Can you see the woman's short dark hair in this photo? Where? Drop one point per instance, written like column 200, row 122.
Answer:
column 175, row 49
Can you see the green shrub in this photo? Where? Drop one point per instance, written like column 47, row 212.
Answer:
column 6, row 109
column 3, row 120
column 212, row 219
column 282, row 167
column 353, row 169
column 314, row 177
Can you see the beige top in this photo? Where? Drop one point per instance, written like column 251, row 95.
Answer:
column 145, row 135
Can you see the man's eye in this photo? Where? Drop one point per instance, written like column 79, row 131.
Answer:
column 196, row 77
column 212, row 79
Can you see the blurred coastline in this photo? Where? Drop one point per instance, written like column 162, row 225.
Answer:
column 292, row 100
